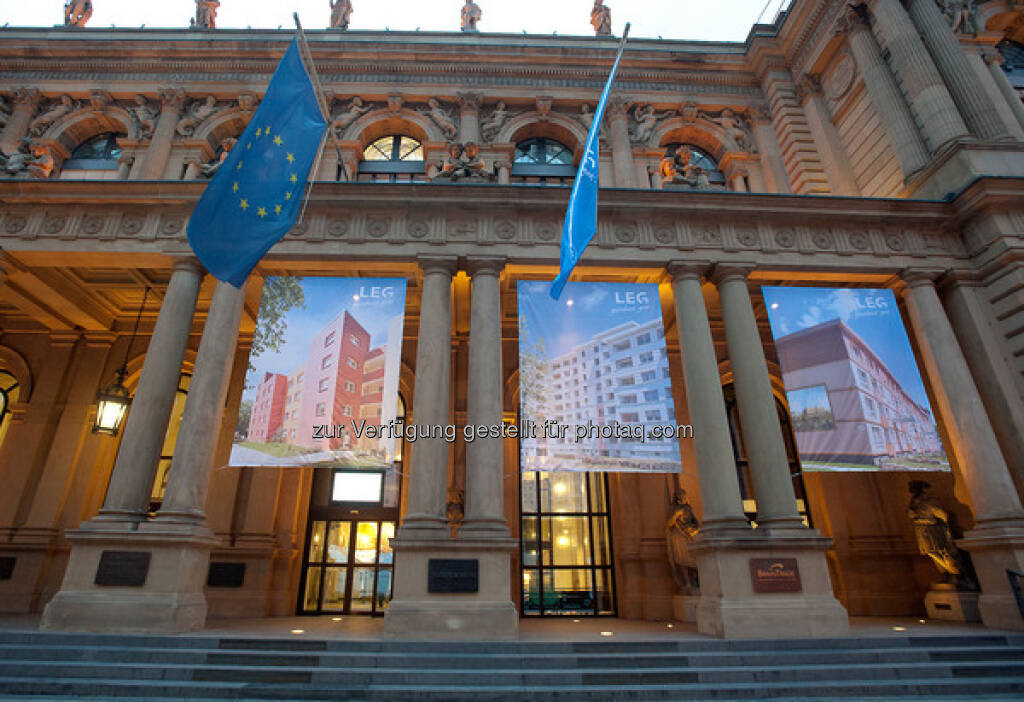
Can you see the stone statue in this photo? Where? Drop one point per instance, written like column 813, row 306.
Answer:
column 495, row 122
column 442, row 119
column 341, row 11
column 733, row 126
column 57, row 109
column 463, row 161
column 471, row 14
column 934, row 533
column 208, row 169
column 680, row 531
column 601, row 19
column 41, row 163
column 350, row 114
column 14, row 163
column 961, row 15
column 198, row 112
column 677, row 168
column 145, row 114
column 646, row 119
column 77, row 12
column 33, row 158
column 586, row 116
column 206, row 14
column 456, row 506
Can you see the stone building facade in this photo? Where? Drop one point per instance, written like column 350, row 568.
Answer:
column 867, row 146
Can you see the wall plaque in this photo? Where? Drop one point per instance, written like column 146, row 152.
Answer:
column 453, row 575
column 126, row 568
column 775, row 575
column 226, row 574
column 7, row 567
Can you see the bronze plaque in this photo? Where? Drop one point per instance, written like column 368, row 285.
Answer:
column 453, row 575
column 125, row 568
column 226, row 574
column 775, row 575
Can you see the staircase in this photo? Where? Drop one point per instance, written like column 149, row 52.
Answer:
column 54, row 666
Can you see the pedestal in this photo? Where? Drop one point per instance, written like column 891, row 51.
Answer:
column 422, row 609
column 684, row 607
column 995, row 548
column 118, row 580
column 767, row 586
column 952, row 605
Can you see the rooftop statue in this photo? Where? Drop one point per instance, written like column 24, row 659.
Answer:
column 341, row 11
column 206, row 14
column 77, row 12
column 471, row 14
column 601, row 18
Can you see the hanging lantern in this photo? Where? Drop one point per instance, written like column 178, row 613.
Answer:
column 112, row 406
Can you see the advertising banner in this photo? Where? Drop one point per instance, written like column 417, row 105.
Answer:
column 594, row 380
column 855, row 392
column 322, row 386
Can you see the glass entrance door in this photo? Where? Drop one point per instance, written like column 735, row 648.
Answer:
column 348, row 567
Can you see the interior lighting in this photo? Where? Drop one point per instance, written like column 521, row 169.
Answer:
column 922, row 621
column 575, row 621
column 899, row 628
column 112, row 402
column 607, row 633
column 670, row 626
column 335, row 619
column 298, row 631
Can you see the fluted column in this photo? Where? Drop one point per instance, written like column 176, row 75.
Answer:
column 428, row 481
column 469, row 117
column 26, row 102
column 928, row 96
column 622, row 150
column 893, row 111
column 712, row 442
column 975, row 106
column 131, row 482
column 833, row 154
column 159, row 150
column 776, row 179
column 189, row 478
column 762, row 433
column 995, row 60
column 485, row 456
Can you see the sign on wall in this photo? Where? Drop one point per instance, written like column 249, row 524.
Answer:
column 594, row 380
column 855, row 392
column 324, row 388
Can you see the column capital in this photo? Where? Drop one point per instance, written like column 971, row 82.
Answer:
column 172, row 99
column 485, row 265
column 726, row 272
column 960, row 277
column 99, row 339
column 920, row 277
column 431, row 265
column 688, row 269
column 618, row 106
column 853, row 18
column 190, row 264
column 470, row 100
column 28, row 96
column 808, row 86
column 64, row 339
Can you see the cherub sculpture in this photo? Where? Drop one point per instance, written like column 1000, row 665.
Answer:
column 601, row 18
column 198, row 112
column 58, row 109
column 77, row 12
column 32, row 157
column 495, row 122
column 733, row 125
column 677, row 168
column 350, row 114
column 646, row 119
column 341, row 11
column 441, row 118
column 471, row 14
column 145, row 114
column 41, row 163
column 208, row 169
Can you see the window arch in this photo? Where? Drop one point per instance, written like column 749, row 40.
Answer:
column 95, row 158
column 544, row 161
column 393, row 159
column 8, row 396
column 703, row 160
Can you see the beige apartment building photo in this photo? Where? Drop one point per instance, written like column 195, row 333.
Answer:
column 864, row 145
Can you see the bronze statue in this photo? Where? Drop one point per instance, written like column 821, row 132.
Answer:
column 77, row 12
column 932, row 526
column 681, row 529
column 601, row 19
column 471, row 14
column 341, row 11
column 206, row 14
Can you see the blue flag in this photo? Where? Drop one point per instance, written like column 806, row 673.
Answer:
column 257, row 192
column 581, row 216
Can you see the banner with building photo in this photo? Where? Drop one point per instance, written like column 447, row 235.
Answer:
column 855, row 392
column 594, row 380
column 324, row 390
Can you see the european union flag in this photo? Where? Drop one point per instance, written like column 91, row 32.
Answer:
column 581, row 217
column 256, row 195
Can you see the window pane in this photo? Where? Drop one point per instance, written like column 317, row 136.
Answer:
column 605, row 596
column 570, row 591
column 362, row 590
column 528, row 491
column 563, row 492
column 366, row 543
column 529, row 541
column 316, row 542
column 312, row 596
column 598, row 500
column 334, row 589
column 531, row 592
column 383, row 589
column 387, row 532
column 565, row 541
column 558, row 154
column 337, row 542
column 602, row 544
column 410, row 150
column 357, row 487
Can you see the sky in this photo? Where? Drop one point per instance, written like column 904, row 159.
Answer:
column 721, row 20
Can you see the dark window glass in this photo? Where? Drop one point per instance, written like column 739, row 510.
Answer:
column 543, row 161
column 101, row 152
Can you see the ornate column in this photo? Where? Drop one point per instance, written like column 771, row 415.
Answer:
column 895, row 114
column 928, row 96
column 975, row 106
column 997, row 541
column 485, row 503
column 712, row 442
column 155, row 159
column 762, row 433
column 995, row 61
column 189, row 477
column 469, row 117
column 26, row 102
column 833, row 154
column 131, row 481
column 622, row 150
column 425, row 511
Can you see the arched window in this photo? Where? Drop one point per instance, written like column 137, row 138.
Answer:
column 544, row 161
column 94, row 159
column 393, row 159
column 8, row 396
column 703, row 160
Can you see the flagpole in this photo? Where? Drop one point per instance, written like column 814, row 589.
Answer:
column 325, row 108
